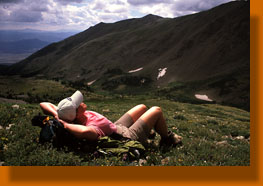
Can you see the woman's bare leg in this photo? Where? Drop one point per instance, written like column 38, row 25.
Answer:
column 154, row 119
column 137, row 111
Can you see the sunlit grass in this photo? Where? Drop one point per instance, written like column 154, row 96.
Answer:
column 213, row 135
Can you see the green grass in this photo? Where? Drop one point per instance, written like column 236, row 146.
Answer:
column 202, row 130
column 211, row 132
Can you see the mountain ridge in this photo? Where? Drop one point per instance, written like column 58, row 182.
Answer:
column 205, row 45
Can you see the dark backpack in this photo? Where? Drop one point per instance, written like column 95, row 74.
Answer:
column 52, row 131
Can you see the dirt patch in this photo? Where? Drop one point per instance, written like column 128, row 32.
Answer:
column 17, row 101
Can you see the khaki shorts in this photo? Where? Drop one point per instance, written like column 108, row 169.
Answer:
column 138, row 131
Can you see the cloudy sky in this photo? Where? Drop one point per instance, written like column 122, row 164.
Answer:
column 81, row 14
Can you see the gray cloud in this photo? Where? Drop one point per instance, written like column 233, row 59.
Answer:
column 99, row 5
column 23, row 11
column 11, row 1
column 81, row 14
column 25, row 16
column 64, row 2
column 196, row 5
column 120, row 2
column 145, row 2
column 29, row 1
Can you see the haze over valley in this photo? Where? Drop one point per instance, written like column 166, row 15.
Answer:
column 16, row 45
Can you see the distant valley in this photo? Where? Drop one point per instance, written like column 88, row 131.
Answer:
column 16, row 45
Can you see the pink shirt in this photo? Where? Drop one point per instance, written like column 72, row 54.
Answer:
column 102, row 125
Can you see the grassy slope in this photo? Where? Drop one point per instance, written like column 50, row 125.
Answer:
column 202, row 50
column 211, row 132
column 192, row 47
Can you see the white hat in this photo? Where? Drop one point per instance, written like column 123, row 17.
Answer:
column 67, row 107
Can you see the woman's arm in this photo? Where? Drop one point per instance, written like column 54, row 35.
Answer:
column 80, row 131
column 49, row 109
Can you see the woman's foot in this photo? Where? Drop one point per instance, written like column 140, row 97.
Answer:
column 172, row 140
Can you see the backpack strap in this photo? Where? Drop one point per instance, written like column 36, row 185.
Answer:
column 39, row 120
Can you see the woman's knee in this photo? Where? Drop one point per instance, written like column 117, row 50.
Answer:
column 156, row 109
column 142, row 107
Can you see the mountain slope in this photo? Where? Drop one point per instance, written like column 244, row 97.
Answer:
column 209, row 45
column 191, row 47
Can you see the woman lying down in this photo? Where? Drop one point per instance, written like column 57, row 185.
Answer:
column 136, row 124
